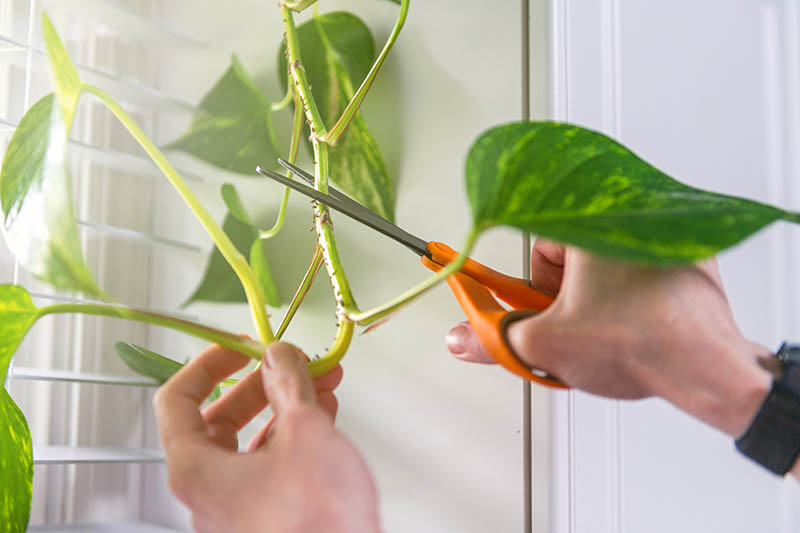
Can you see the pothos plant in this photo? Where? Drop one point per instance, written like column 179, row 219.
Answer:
column 556, row 180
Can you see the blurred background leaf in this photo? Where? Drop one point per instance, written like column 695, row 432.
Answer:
column 36, row 197
column 220, row 283
column 232, row 126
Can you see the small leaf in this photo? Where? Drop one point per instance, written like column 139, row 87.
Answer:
column 583, row 188
column 17, row 315
column 36, row 198
column 68, row 84
column 337, row 51
column 234, row 204
column 220, row 283
column 232, row 126
column 146, row 363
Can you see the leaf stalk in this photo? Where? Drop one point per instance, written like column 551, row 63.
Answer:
column 238, row 262
column 335, row 133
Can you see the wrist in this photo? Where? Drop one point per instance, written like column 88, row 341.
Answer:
column 728, row 391
column 796, row 470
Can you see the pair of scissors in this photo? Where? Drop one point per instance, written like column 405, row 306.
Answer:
column 476, row 286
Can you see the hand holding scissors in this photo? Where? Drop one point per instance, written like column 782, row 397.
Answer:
column 476, row 286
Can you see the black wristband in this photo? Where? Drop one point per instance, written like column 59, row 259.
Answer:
column 773, row 438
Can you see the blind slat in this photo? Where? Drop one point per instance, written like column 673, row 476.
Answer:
column 65, row 455
column 49, row 374
column 121, row 88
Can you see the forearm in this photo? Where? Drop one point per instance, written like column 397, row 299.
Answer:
column 796, row 470
column 726, row 394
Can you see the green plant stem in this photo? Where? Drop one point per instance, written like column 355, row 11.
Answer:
column 227, row 339
column 326, row 363
column 322, row 222
column 336, row 132
column 363, row 318
column 297, row 128
column 238, row 262
column 298, row 6
column 302, row 290
column 298, row 75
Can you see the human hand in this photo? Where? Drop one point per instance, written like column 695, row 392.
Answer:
column 298, row 474
column 627, row 331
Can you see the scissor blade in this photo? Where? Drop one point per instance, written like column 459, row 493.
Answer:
column 309, row 179
column 366, row 217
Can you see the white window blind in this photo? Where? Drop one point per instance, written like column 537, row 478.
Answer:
column 93, row 433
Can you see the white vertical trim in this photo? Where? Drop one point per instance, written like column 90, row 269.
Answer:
column 612, row 124
column 563, row 403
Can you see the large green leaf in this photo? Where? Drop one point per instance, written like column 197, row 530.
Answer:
column 337, row 52
column 220, row 283
column 583, row 188
column 232, row 126
column 68, row 84
column 36, row 198
column 17, row 315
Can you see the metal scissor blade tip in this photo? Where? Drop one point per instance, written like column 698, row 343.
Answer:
column 294, row 169
column 350, row 208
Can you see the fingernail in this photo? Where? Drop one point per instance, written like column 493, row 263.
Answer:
column 455, row 340
column 282, row 354
column 272, row 355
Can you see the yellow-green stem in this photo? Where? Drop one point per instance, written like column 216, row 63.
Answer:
column 322, row 222
column 227, row 339
column 336, row 132
column 302, row 290
column 297, row 128
column 237, row 261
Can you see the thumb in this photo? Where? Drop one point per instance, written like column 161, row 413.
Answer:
column 287, row 381
column 534, row 340
column 463, row 343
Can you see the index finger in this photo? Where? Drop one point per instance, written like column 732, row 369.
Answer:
column 177, row 402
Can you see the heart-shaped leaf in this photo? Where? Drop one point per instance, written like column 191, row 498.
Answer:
column 17, row 315
column 232, row 126
column 68, row 84
column 16, row 476
column 583, row 188
column 220, row 283
column 337, row 51
column 36, row 197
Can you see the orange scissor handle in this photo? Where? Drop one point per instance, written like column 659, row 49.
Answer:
column 490, row 320
column 513, row 291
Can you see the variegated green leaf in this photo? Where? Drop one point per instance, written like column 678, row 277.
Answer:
column 337, row 51
column 583, row 188
column 36, row 198
column 232, row 126
column 17, row 315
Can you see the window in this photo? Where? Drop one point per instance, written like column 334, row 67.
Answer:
column 95, row 443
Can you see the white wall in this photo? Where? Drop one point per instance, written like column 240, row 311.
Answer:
column 709, row 91
column 443, row 438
